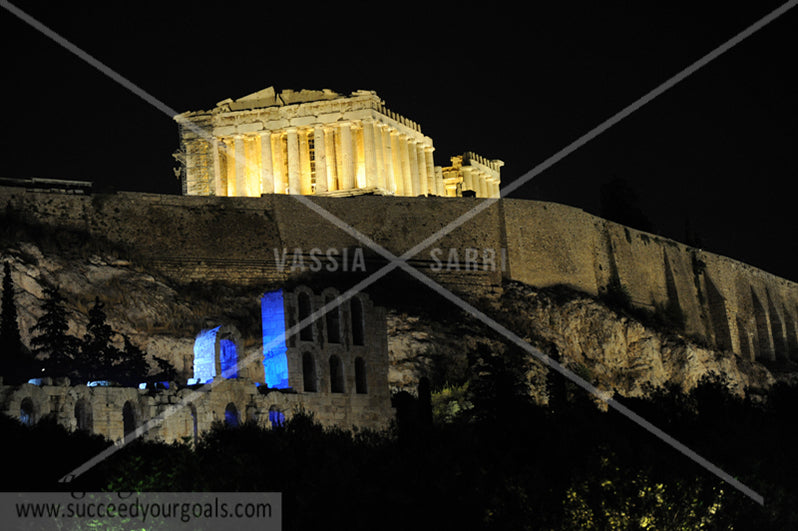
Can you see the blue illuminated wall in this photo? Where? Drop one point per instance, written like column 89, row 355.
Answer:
column 228, row 358
column 205, row 355
column 275, row 361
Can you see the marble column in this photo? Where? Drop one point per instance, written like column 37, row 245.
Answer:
column 240, row 187
column 267, row 176
column 347, row 158
column 483, row 184
column 305, row 184
column 253, row 166
column 278, row 162
column 396, row 163
column 407, row 176
column 228, row 161
column 320, row 153
column 468, row 178
column 216, row 185
column 369, row 154
column 413, row 164
column 294, row 179
column 421, row 158
column 379, row 152
column 332, row 160
column 432, row 182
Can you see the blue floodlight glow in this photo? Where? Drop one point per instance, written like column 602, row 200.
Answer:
column 231, row 416
column 143, row 385
column 36, row 381
column 205, row 355
column 277, row 418
column 228, row 358
column 99, row 383
column 275, row 361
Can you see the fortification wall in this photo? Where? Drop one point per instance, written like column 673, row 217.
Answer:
column 727, row 303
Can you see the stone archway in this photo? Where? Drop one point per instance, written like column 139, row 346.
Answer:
column 231, row 418
column 129, row 419
column 27, row 412
column 84, row 420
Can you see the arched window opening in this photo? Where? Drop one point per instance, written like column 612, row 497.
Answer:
column 336, row 375
column 128, row 418
column 276, row 417
column 308, row 373
column 360, row 376
column 356, row 306
column 231, row 416
column 26, row 412
column 83, row 416
column 228, row 358
column 333, row 321
column 306, row 332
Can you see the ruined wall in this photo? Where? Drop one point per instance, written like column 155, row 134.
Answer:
column 729, row 304
column 186, row 412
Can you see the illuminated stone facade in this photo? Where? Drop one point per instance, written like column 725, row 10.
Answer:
column 335, row 368
column 318, row 143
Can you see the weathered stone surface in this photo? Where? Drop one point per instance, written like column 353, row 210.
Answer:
column 616, row 353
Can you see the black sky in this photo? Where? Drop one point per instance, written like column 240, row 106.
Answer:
column 508, row 81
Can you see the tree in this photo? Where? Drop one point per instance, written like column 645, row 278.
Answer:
column 498, row 385
column 16, row 364
column 98, row 358
column 50, row 339
column 132, row 368
column 166, row 371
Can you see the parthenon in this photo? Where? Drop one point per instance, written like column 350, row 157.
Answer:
column 319, row 143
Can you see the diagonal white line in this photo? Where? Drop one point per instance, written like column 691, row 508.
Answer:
column 543, row 358
column 605, row 125
column 646, row 98
column 108, row 71
column 483, row 205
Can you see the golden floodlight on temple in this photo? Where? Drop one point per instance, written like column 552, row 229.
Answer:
column 319, row 142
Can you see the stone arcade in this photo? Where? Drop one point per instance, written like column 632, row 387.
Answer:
column 335, row 368
column 319, row 143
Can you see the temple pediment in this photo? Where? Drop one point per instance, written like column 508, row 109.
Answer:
column 268, row 97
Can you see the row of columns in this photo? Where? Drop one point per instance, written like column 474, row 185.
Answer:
column 325, row 158
column 480, row 182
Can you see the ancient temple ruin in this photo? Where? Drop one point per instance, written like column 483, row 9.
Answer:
column 335, row 368
column 319, row 143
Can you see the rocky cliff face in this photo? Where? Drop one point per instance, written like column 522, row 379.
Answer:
column 153, row 314
column 614, row 351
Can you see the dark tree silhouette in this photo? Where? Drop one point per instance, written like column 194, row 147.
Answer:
column 98, row 358
column 498, row 385
column 50, row 339
column 16, row 364
column 166, row 371
column 132, row 368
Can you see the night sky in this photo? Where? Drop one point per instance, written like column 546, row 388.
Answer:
column 515, row 83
